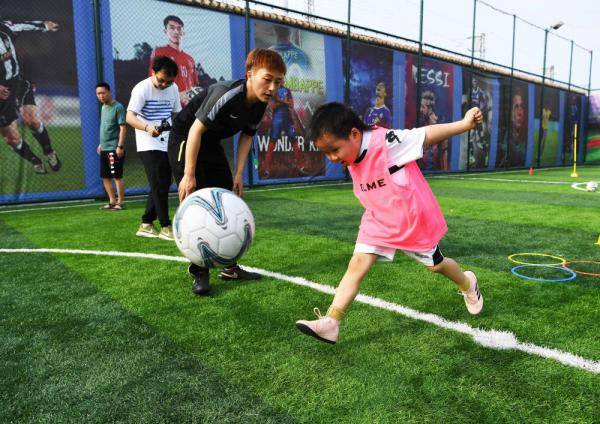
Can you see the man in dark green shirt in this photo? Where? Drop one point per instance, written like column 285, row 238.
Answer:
column 112, row 145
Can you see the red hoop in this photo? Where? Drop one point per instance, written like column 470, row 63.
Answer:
column 590, row 274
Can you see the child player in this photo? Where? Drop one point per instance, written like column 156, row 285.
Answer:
column 401, row 212
column 223, row 110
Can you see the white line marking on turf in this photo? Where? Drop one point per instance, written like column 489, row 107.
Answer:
column 577, row 186
column 505, row 180
column 493, row 339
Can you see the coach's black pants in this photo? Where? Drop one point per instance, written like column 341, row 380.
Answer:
column 158, row 172
column 208, row 174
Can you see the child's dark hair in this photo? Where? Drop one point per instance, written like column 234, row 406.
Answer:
column 166, row 64
column 336, row 119
column 103, row 85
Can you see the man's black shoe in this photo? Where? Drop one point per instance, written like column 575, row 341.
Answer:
column 201, row 285
column 235, row 272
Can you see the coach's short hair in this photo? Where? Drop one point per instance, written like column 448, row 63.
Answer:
column 172, row 18
column 103, row 85
column 166, row 64
column 265, row 58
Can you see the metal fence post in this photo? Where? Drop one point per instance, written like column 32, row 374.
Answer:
column 98, row 41
column 589, row 92
column 470, row 88
column 348, row 51
column 251, row 153
column 509, row 134
column 419, row 67
column 541, row 130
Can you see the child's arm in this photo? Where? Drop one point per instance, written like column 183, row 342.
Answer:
column 437, row 133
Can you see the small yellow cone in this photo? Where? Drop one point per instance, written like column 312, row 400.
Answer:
column 598, row 242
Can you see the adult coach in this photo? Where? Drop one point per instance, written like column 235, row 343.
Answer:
column 187, row 75
column 112, row 146
column 224, row 109
column 153, row 100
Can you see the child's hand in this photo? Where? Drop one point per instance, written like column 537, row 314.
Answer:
column 473, row 117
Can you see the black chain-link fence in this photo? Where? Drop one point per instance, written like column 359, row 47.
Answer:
column 392, row 79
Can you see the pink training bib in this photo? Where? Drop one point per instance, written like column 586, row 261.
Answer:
column 403, row 217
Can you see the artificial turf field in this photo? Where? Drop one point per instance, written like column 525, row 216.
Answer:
column 117, row 339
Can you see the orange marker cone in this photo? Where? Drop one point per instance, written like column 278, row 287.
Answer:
column 531, row 170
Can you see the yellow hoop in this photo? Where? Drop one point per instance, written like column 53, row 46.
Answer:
column 562, row 260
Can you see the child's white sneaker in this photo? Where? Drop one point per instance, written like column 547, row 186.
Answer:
column 473, row 297
column 324, row 328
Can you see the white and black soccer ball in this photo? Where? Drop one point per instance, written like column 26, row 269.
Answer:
column 213, row 227
column 591, row 186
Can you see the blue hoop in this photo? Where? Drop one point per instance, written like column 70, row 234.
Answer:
column 558, row 280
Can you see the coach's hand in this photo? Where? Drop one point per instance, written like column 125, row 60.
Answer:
column 186, row 187
column 238, row 185
column 4, row 92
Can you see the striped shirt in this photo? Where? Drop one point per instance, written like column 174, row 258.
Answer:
column 152, row 105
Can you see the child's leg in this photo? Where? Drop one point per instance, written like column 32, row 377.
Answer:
column 466, row 281
column 348, row 288
column 450, row 269
column 327, row 328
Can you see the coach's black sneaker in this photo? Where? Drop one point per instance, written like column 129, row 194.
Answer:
column 54, row 161
column 201, row 285
column 235, row 272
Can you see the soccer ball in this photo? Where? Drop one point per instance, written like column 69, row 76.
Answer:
column 213, row 227
column 591, row 186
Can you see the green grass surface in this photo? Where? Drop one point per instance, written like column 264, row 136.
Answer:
column 102, row 339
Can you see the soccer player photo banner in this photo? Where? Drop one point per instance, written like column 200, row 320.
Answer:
column 434, row 105
column 593, row 130
column 513, row 131
column 41, row 155
column 198, row 40
column 547, row 143
column 572, row 116
column 372, row 84
column 282, row 147
column 478, row 146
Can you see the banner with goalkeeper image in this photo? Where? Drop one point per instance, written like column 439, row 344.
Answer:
column 198, row 40
column 573, row 114
column 372, row 84
column 547, row 140
column 593, row 130
column 514, row 124
column 41, row 154
column 477, row 146
column 282, row 147
column 434, row 106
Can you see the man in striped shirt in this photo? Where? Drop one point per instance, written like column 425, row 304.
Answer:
column 154, row 100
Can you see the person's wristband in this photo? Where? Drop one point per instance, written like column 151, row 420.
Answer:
column 146, row 128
